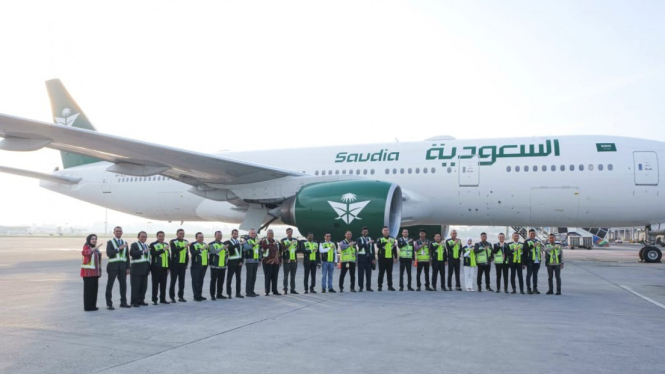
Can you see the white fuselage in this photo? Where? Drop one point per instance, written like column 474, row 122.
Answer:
column 606, row 181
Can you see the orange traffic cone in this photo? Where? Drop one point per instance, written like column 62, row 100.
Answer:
column 415, row 263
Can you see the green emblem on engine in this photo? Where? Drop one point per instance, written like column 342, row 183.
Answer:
column 347, row 209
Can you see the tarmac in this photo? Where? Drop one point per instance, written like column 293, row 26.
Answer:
column 610, row 319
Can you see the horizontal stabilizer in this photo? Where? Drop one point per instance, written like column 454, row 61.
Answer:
column 43, row 176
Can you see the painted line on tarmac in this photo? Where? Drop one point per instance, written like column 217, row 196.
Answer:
column 652, row 301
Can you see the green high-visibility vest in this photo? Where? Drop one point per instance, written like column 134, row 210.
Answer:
column 204, row 253
column 472, row 257
column 331, row 251
column 182, row 244
column 535, row 250
column 498, row 256
column 388, row 247
column 256, row 248
column 439, row 250
column 122, row 254
column 292, row 246
column 423, row 253
column 145, row 257
column 165, row 255
column 406, row 251
column 349, row 254
column 312, row 247
column 555, row 253
column 517, row 252
column 455, row 248
column 483, row 256
column 221, row 255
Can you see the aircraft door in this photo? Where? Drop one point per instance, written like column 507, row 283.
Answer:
column 646, row 168
column 469, row 171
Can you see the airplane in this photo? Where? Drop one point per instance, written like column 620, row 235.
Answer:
column 578, row 181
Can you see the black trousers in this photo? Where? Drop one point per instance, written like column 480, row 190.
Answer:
column 90, row 289
column 217, row 281
column 364, row 272
column 250, row 278
column 516, row 269
column 554, row 270
column 438, row 268
column 386, row 267
column 423, row 265
column 234, row 270
column 350, row 269
column 290, row 269
column 310, row 275
column 405, row 264
column 198, row 274
column 501, row 269
column 483, row 268
column 122, row 280
column 453, row 266
column 139, row 288
column 532, row 270
column 178, row 273
column 159, row 276
column 271, row 273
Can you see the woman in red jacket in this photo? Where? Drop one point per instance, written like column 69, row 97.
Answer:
column 91, row 270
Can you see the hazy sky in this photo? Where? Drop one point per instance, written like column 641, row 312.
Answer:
column 246, row 75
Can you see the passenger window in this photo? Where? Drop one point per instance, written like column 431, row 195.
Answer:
column 553, row 168
column 600, row 167
column 409, row 170
column 535, row 168
column 401, row 171
column 433, row 170
column 323, row 172
column 581, row 167
column 544, row 168
column 517, row 169
column 450, row 170
column 563, row 168
column 508, row 169
column 357, row 171
column 387, row 171
column 590, row 167
column 424, row 170
column 526, row 167
column 572, row 167
column 417, row 170
column 610, row 167
column 394, row 171
column 372, row 172
column 364, row 171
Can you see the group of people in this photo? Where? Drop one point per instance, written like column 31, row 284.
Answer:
column 163, row 260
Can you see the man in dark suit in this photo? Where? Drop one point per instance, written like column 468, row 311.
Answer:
column 117, row 267
column 140, row 254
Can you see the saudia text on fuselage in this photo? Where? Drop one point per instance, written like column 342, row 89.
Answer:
column 487, row 154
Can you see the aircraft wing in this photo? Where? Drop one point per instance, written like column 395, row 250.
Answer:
column 43, row 176
column 133, row 157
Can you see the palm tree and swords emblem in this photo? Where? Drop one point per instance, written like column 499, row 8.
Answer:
column 67, row 118
column 348, row 210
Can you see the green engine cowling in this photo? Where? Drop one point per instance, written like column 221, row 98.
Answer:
column 336, row 207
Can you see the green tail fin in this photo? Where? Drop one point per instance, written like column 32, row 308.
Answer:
column 66, row 112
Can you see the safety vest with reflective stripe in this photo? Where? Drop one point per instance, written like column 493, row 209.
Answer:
column 423, row 253
column 312, row 247
column 204, row 253
column 182, row 244
column 91, row 264
column 235, row 252
column 221, row 255
column 407, row 250
column 165, row 255
column 331, row 251
column 482, row 257
column 535, row 250
column 145, row 257
column 440, row 250
column 122, row 255
column 291, row 246
column 499, row 255
column 348, row 254
column 455, row 248
column 517, row 252
column 555, row 254
column 256, row 248
column 388, row 247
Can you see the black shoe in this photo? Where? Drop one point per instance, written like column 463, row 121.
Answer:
column 353, row 289
column 164, row 302
column 498, row 291
column 172, row 301
column 332, row 290
column 549, row 293
column 535, row 290
column 110, row 307
column 341, row 290
column 222, row 297
column 311, row 290
column 306, row 292
column 277, row 294
column 401, row 289
column 323, row 290
column 198, row 299
column 514, row 291
column 458, row 288
column 181, row 300
column 505, row 291
column 391, row 289
column 360, row 289
column 229, row 297
column 154, row 302
column 294, row 292
column 135, row 305
column 480, row 289
column 529, row 291
column 450, row 288
column 204, row 298
column 212, row 297
column 411, row 289
column 369, row 289
column 522, row 292
column 125, row 306
column 239, row 296
column 558, row 293
column 418, row 289
column 429, row 289
column 266, row 294
column 251, row 295
column 443, row 289
column 379, row 289
column 489, row 289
